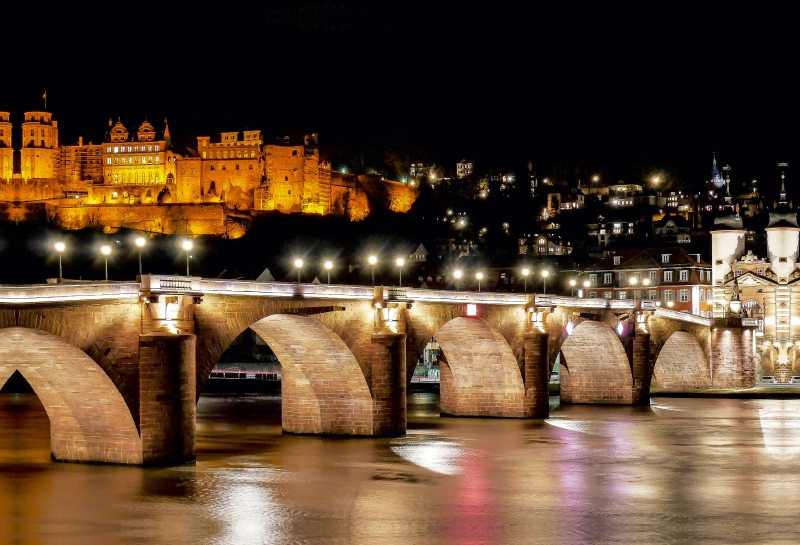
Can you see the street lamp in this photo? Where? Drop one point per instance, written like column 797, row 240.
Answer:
column 298, row 264
column 586, row 285
column 545, row 274
column 60, row 247
column 328, row 267
column 525, row 272
column 140, row 242
column 187, row 246
column 373, row 260
column 572, row 286
column 106, row 251
column 400, row 262
column 479, row 276
column 458, row 274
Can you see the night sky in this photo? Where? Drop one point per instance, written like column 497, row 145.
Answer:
column 617, row 91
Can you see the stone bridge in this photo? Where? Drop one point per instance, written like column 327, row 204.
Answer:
column 119, row 366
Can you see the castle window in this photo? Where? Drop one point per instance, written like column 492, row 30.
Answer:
column 252, row 154
column 157, row 147
column 212, row 167
column 116, row 149
column 33, row 132
column 237, row 167
column 204, row 155
column 224, row 167
column 157, row 159
column 183, row 171
column 108, row 161
column 285, row 178
column 294, row 152
column 250, row 167
column 149, row 148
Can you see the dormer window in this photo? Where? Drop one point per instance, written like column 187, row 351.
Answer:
column 617, row 259
column 665, row 258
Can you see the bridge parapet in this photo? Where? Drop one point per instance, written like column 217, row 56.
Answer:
column 67, row 292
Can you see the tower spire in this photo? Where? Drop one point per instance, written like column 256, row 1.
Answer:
column 783, row 182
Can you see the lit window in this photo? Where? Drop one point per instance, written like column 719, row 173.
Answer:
column 593, row 279
column 157, row 158
column 157, row 147
column 116, row 149
column 702, row 296
column 608, row 294
column 108, row 161
column 623, row 295
column 108, row 149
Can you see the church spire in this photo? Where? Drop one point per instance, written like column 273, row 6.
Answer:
column 783, row 182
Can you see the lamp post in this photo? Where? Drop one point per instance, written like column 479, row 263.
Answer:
column 400, row 262
column 479, row 276
column 106, row 251
column 586, row 285
column 525, row 272
column 140, row 242
column 458, row 274
column 328, row 267
column 298, row 264
column 187, row 246
column 373, row 260
column 572, row 286
column 60, row 247
column 545, row 274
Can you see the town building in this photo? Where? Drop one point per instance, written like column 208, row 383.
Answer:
column 669, row 277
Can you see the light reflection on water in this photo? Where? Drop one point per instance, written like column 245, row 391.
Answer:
column 680, row 471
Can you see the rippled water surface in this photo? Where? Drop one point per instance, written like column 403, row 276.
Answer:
column 680, row 471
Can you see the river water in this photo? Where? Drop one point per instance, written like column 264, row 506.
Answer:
column 679, row 471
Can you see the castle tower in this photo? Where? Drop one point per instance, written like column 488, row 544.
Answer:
column 783, row 236
column 6, row 151
column 39, row 153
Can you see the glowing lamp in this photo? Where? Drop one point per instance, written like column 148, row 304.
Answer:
column 736, row 306
column 472, row 310
column 60, row 246
column 620, row 328
column 140, row 242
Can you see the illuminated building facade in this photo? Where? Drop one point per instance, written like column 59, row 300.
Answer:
column 135, row 161
column 39, row 154
column 670, row 277
column 6, row 151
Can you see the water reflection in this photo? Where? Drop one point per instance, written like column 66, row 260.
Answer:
column 681, row 471
column 780, row 426
column 429, row 450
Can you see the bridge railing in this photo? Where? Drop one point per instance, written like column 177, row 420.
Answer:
column 683, row 316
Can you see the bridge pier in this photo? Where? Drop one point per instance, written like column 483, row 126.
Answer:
column 537, row 374
column 640, row 366
column 167, row 406
column 388, row 384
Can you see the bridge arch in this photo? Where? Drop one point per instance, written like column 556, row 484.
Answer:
column 479, row 375
column 322, row 386
column 681, row 365
column 89, row 419
column 595, row 368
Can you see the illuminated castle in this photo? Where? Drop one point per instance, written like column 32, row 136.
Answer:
column 118, row 182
